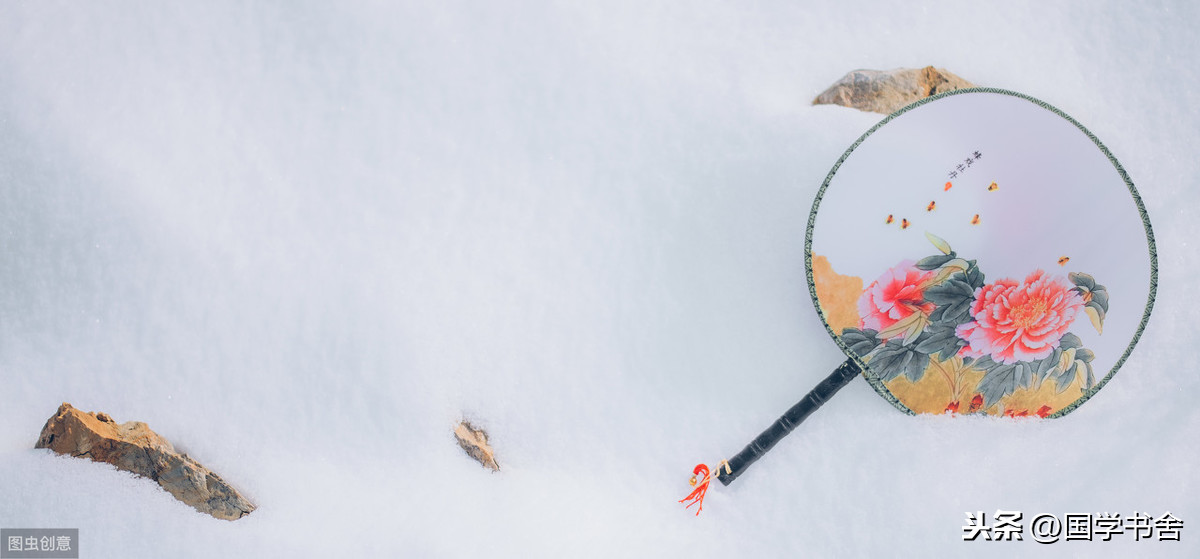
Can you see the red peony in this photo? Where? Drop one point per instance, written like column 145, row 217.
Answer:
column 896, row 295
column 1020, row 322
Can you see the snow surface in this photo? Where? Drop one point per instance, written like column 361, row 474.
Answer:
column 302, row 240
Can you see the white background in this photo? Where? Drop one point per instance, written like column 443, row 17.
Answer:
column 303, row 240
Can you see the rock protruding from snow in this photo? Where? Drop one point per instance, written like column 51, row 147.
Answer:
column 885, row 91
column 133, row 447
column 474, row 442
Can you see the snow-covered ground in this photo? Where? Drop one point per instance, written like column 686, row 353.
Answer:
column 303, row 240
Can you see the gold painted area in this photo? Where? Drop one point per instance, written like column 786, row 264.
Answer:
column 837, row 294
column 1024, row 399
column 934, row 392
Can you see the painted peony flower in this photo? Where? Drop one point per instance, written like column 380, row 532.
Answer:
column 1020, row 322
column 896, row 295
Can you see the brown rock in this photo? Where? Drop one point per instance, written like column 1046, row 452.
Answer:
column 133, row 447
column 474, row 442
column 886, row 91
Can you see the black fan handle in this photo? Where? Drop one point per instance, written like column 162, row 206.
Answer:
column 840, row 377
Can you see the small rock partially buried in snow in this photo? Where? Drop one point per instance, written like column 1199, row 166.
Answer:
column 474, row 442
column 886, row 91
column 133, row 447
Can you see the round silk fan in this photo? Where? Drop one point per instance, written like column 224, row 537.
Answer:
column 977, row 252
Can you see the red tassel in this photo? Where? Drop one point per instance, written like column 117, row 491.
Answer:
column 697, row 495
column 701, row 485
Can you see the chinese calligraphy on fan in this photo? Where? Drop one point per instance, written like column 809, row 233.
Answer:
column 964, row 165
column 1007, row 525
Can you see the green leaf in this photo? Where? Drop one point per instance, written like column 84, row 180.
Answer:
column 941, row 340
column 892, row 368
column 951, row 291
column 997, row 383
column 953, row 299
column 960, row 312
column 973, row 276
column 905, row 359
column 1046, row 365
column 885, row 361
column 1100, row 297
column 1023, row 374
column 986, row 364
column 1070, row 340
column 860, row 342
column 895, row 358
column 952, row 314
column 1061, row 383
column 933, row 262
column 915, row 368
column 1082, row 280
column 1085, row 355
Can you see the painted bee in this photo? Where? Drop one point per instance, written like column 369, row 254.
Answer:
column 1063, row 261
column 932, row 205
column 904, row 224
column 975, row 220
column 993, row 187
column 890, row 219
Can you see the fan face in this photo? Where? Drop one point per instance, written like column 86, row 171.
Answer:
column 980, row 252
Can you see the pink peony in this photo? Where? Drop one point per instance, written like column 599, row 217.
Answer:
column 896, row 295
column 1020, row 322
